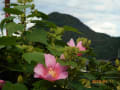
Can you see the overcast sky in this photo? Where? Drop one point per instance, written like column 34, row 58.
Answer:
column 100, row 15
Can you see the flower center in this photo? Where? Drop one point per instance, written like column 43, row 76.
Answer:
column 52, row 72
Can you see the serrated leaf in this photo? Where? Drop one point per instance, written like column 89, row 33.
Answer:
column 37, row 36
column 13, row 11
column 69, row 28
column 13, row 27
column 17, row 86
column 35, row 56
column 8, row 41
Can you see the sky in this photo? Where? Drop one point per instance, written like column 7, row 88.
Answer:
column 100, row 15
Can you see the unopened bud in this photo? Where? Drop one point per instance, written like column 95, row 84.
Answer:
column 117, row 63
column 20, row 79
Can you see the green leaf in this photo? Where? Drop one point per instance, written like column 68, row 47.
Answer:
column 78, row 86
column 28, row 68
column 44, row 23
column 42, row 85
column 17, row 86
column 2, row 46
column 22, row 7
column 69, row 63
column 38, row 14
column 37, row 36
column 14, row 4
column 13, row 11
column 89, row 76
column 57, row 50
column 3, row 22
column 13, row 27
column 35, row 56
column 8, row 41
column 69, row 28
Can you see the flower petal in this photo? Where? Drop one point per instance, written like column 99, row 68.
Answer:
column 50, row 78
column 71, row 43
column 36, row 76
column 62, row 75
column 59, row 68
column 40, row 70
column 80, row 46
column 50, row 60
column 62, row 57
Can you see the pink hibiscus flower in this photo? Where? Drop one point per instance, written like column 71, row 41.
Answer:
column 53, row 70
column 79, row 45
column 2, row 82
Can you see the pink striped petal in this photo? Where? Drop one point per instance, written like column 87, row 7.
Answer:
column 80, row 46
column 50, row 60
column 40, row 70
column 71, row 43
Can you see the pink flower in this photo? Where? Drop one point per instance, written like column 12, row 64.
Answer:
column 71, row 43
column 53, row 70
column 79, row 45
column 2, row 82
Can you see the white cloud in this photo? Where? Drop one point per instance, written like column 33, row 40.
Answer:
column 104, row 27
column 100, row 15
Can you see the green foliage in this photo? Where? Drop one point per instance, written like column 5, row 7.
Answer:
column 37, row 36
column 57, row 50
column 17, row 86
column 38, row 14
column 19, row 55
column 42, row 85
column 69, row 28
column 104, row 46
column 13, row 27
column 22, row 7
column 8, row 19
column 13, row 11
column 35, row 56
column 8, row 41
column 66, row 63
column 24, row 1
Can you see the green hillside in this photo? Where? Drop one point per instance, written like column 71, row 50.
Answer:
column 105, row 47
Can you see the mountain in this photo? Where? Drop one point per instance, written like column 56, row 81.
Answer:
column 105, row 46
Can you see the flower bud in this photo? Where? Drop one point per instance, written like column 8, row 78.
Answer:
column 118, row 68
column 20, row 79
column 117, row 63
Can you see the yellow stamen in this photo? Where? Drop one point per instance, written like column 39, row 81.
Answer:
column 52, row 72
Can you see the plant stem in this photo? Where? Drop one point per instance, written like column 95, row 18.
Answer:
column 7, row 5
column 24, row 18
